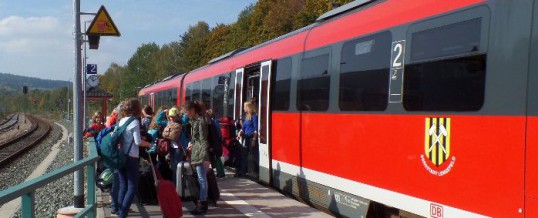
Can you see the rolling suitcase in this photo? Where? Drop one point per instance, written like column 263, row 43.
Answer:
column 213, row 192
column 169, row 200
column 147, row 194
column 193, row 186
column 184, row 169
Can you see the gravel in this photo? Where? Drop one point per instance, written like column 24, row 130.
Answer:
column 18, row 170
column 55, row 195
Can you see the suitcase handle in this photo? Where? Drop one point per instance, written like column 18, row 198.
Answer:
column 155, row 176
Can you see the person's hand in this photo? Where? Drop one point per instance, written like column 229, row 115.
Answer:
column 189, row 147
column 145, row 144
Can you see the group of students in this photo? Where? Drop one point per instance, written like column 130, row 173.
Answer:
column 170, row 136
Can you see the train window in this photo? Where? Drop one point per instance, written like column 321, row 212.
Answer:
column 313, row 85
column 453, row 39
column 206, row 92
column 174, row 96
column 230, row 92
column 188, row 92
column 196, row 90
column 158, row 97
column 364, row 79
column 454, row 83
column 218, row 95
column 281, row 100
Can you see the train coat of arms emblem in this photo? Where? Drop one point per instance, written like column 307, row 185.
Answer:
column 437, row 148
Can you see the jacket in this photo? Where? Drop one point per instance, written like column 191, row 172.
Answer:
column 199, row 140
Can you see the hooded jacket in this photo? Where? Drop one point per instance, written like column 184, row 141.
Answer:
column 199, row 140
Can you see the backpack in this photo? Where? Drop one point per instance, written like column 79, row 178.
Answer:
column 163, row 146
column 215, row 141
column 113, row 157
column 100, row 136
column 172, row 131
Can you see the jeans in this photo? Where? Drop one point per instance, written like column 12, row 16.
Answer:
column 128, row 185
column 176, row 157
column 249, row 156
column 202, row 179
column 114, row 205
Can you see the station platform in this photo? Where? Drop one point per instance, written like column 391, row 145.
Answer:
column 240, row 197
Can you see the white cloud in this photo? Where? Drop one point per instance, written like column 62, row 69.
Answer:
column 36, row 46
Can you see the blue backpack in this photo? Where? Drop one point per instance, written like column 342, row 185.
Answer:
column 100, row 137
column 110, row 147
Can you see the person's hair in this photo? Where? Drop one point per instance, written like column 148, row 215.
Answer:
column 148, row 110
column 131, row 107
column 251, row 109
column 153, row 123
column 98, row 115
column 200, row 104
column 194, row 105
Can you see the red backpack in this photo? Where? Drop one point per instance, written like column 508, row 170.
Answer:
column 227, row 129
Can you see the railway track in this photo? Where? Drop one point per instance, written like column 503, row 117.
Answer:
column 9, row 123
column 12, row 148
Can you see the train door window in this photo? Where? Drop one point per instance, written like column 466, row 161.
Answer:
column 253, row 86
column 196, row 91
column 314, row 83
column 188, row 92
column 281, row 99
column 230, row 92
column 448, row 68
column 206, row 92
column 364, row 73
column 218, row 95
column 238, row 95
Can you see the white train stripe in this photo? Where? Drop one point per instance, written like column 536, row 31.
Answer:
column 394, row 199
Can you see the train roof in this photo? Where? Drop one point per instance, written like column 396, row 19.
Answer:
column 328, row 16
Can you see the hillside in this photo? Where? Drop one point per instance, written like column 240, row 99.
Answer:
column 14, row 82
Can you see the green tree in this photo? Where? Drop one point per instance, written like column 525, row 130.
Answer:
column 192, row 46
column 139, row 70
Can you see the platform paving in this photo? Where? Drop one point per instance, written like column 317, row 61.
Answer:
column 240, row 197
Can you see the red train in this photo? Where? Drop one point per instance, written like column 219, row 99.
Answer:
column 416, row 108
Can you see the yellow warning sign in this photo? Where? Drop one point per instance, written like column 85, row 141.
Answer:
column 103, row 25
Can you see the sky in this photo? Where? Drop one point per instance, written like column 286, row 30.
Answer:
column 36, row 37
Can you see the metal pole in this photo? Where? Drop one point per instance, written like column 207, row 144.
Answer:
column 84, row 82
column 78, row 198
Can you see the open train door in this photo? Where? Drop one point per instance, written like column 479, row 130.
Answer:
column 264, row 122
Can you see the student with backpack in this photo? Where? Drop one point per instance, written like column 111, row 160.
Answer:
column 130, row 143
column 198, row 147
column 110, row 126
column 172, row 133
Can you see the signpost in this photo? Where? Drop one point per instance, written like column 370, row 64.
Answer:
column 102, row 25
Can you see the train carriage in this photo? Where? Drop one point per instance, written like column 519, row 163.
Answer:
column 418, row 108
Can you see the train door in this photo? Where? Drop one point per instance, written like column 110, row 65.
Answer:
column 264, row 122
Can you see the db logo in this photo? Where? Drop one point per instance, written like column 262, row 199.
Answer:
column 436, row 211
